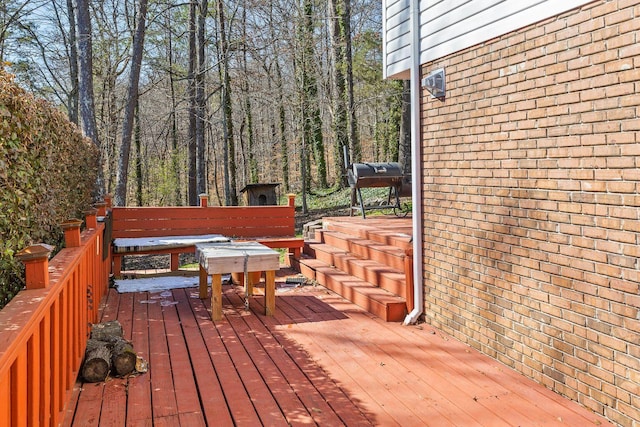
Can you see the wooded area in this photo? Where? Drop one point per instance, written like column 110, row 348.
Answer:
column 184, row 98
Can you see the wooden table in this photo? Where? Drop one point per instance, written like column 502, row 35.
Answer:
column 216, row 259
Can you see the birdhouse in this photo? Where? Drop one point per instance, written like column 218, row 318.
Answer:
column 260, row 194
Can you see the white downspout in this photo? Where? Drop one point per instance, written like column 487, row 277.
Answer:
column 416, row 166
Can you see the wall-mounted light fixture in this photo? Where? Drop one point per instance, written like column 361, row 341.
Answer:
column 435, row 83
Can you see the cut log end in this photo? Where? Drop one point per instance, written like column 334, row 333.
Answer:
column 123, row 358
column 97, row 364
column 108, row 352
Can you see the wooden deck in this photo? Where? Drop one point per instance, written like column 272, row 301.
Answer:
column 319, row 361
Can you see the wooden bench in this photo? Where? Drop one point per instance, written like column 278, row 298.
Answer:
column 177, row 229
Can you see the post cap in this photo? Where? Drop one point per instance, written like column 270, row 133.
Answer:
column 71, row 223
column 33, row 252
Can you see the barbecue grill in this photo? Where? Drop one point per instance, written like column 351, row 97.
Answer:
column 370, row 175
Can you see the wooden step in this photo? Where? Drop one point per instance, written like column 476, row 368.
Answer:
column 373, row 272
column 323, row 252
column 389, row 255
column 387, row 230
column 373, row 299
column 370, row 271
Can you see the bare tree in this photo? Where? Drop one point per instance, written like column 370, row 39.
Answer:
column 201, row 100
column 193, row 109
column 341, row 137
column 230, row 178
column 120, row 195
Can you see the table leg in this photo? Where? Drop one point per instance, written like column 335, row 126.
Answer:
column 202, row 283
column 270, row 292
column 175, row 262
column 248, row 284
column 216, row 296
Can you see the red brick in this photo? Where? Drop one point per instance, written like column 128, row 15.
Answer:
column 532, row 172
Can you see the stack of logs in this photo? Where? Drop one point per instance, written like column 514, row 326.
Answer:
column 108, row 353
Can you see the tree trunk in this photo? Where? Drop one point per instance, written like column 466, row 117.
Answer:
column 85, row 87
column 175, row 164
column 341, row 137
column 138, row 143
column 312, row 128
column 356, row 149
column 193, row 111
column 230, row 178
column 404, row 145
column 120, row 196
column 73, row 65
column 251, row 167
column 282, row 124
column 201, row 182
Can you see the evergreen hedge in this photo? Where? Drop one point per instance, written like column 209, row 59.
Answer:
column 48, row 172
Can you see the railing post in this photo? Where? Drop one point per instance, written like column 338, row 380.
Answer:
column 91, row 218
column 108, row 201
column 71, row 230
column 292, row 199
column 204, row 200
column 36, row 262
column 102, row 208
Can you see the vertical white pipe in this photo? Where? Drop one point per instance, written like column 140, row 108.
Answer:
column 416, row 166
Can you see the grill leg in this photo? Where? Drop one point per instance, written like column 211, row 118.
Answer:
column 353, row 201
column 364, row 216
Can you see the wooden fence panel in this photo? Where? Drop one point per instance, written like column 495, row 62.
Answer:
column 44, row 329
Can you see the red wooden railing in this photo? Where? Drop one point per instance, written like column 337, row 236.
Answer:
column 44, row 329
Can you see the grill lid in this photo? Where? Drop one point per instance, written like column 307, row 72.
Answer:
column 381, row 170
column 363, row 175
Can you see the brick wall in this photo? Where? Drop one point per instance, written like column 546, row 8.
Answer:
column 532, row 203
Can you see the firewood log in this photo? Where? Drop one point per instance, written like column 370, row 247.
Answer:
column 107, row 331
column 123, row 358
column 97, row 362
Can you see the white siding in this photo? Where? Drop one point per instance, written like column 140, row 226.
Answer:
column 396, row 36
column 447, row 26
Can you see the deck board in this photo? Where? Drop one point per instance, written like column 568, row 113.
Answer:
column 319, row 360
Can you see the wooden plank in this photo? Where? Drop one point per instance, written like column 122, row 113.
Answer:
column 239, row 404
column 56, row 349
column 296, row 396
column 65, row 364
column 45, row 369
column 184, row 383
column 89, row 405
column 5, row 400
column 214, row 406
column 202, row 282
column 34, row 377
column 347, row 408
column 216, row 296
column 19, row 390
column 125, row 314
column 139, row 392
column 355, row 371
column 269, row 293
column 233, row 221
column 193, row 419
column 236, row 257
column 114, row 403
column 162, row 393
column 267, row 409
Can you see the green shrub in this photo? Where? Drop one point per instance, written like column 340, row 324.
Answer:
column 47, row 175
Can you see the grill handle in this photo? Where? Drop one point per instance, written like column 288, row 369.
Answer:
column 379, row 169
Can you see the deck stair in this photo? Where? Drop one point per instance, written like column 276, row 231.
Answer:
column 362, row 261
